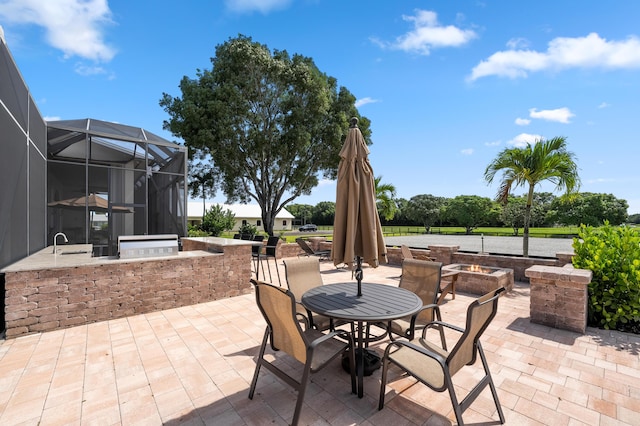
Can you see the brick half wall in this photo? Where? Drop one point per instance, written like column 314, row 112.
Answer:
column 44, row 300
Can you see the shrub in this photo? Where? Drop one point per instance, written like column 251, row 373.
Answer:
column 612, row 253
column 216, row 220
column 248, row 229
column 195, row 231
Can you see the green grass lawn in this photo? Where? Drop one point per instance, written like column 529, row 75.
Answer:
column 395, row 231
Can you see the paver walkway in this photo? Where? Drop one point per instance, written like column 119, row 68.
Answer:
column 193, row 365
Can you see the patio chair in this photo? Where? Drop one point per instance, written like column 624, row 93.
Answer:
column 255, row 254
column 447, row 280
column 270, row 251
column 448, row 285
column 421, row 277
column 303, row 274
column 406, row 252
column 311, row 347
column 435, row 366
column 309, row 251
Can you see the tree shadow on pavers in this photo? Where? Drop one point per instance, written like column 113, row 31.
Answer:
column 620, row 341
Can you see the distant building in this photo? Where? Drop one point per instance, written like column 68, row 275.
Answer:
column 245, row 214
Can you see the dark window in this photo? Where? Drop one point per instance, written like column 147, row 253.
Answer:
column 258, row 223
column 284, row 223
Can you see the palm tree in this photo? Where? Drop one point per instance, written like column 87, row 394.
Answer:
column 385, row 196
column 538, row 161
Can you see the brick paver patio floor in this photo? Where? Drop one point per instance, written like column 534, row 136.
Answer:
column 193, row 365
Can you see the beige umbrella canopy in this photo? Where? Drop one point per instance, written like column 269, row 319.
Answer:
column 94, row 202
column 357, row 233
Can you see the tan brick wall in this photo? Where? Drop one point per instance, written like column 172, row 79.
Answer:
column 50, row 299
column 559, row 296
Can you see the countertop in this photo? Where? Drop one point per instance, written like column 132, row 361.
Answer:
column 73, row 255
column 219, row 241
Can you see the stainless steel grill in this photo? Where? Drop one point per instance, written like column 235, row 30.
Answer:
column 137, row 246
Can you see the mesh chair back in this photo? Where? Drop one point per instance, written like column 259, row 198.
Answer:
column 278, row 309
column 256, row 249
column 302, row 273
column 422, row 277
column 305, row 246
column 480, row 313
column 272, row 245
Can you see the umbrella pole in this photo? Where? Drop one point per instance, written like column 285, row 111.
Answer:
column 358, row 274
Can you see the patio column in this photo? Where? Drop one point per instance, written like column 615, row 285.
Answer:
column 559, row 296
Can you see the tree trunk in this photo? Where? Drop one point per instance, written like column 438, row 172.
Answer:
column 527, row 218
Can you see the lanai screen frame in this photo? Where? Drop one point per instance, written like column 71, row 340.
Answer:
column 129, row 166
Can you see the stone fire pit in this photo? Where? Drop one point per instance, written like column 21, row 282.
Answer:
column 477, row 279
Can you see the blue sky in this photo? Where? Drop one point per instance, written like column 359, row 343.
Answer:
column 446, row 84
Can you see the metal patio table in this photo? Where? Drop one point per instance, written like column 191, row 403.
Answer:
column 378, row 303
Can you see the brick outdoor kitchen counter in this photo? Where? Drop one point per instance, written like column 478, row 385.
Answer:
column 46, row 292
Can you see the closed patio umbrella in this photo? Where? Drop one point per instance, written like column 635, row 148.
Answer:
column 357, row 232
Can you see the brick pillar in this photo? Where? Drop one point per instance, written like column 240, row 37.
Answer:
column 443, row 253
column 559, row 296
column 564, row 258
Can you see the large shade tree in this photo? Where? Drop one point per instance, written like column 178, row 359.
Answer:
column 425, row 209
column 542, row 160
column 272, row 123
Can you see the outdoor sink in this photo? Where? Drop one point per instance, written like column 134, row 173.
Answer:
column 75, row 252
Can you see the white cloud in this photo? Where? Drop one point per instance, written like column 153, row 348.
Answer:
column 517, row 43
column 522, row 121
column 591, row 51
column 494, row 143
column 466, row 151
column 560, row 115
column 85, row 70
column 74, row 26
column 364, row 101
column 604, row 105
column 262, row 6
column 523, row 139
column 51, row 118
column 428, row 34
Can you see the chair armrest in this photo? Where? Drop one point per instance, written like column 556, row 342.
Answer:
column 336, row 333
column 450, row 274
column 303, row 319
column 416, row 348
column 441, row 324
column 433, row 306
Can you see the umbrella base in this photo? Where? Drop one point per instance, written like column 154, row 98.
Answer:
column 371, row 361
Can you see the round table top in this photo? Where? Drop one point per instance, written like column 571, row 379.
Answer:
column 379, row 302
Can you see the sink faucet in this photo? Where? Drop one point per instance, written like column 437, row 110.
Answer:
column 55, row 239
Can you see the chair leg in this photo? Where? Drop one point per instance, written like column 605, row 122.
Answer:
column 454, row 399
column 492, row 386
column 383, row 380
column 275, row 260
column 301, row 391
column 259, row 363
